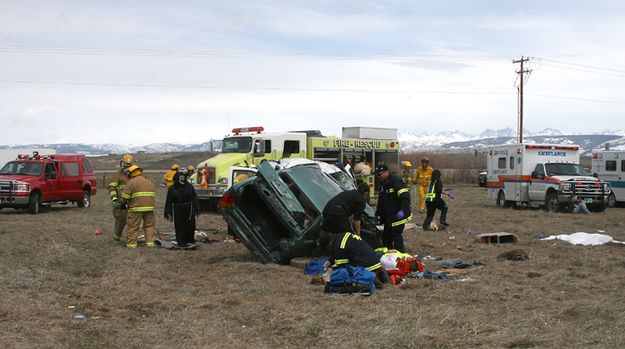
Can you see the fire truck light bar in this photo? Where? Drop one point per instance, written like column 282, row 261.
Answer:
column 257, row 129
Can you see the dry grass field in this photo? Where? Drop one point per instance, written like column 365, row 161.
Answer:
column 53, row 267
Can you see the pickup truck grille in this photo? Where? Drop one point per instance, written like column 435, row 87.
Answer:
column 587, row 188
column 5, row 186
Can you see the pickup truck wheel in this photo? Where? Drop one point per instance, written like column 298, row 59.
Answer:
column 86, row 199
column 551, row 203
column 34, row 204
column 611, row 200
column 501, row 200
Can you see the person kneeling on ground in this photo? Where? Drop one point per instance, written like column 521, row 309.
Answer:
column 578, row 205
column 434, row 200
column 348, row 248
column 181, row 207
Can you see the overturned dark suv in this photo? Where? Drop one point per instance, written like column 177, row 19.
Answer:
column 277, row 213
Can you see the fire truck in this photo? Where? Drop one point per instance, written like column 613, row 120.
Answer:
column 246, row 147
column 541, row 175
column 30, row 182
column 609, row 165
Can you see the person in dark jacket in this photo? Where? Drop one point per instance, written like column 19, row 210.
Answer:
column 181, row 207
column 337, row 211
column 349, row 248
column 434, row 200
column 393, row 208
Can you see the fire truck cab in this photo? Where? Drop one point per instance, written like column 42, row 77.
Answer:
column 30, row 182
column 541, row 175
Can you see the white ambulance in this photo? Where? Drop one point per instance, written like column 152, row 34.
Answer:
column 609, row 165
column 541, row 175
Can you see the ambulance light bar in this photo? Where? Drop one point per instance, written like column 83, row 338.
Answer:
column 556, row 147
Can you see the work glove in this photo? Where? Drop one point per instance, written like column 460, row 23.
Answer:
column 400, row 214
column 123, row 205
column 169, row 216
column 116, row 204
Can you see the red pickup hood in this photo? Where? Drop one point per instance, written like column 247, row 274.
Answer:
column 21, row 178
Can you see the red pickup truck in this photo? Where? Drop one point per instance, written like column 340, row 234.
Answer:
column 30, row 182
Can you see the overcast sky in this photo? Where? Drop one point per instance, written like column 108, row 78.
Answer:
column 143, row 72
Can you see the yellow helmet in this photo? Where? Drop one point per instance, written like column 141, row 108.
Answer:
column 175, row 166
column 407, row 163
column 190, row 168
column 126, row 160
column 134, row 170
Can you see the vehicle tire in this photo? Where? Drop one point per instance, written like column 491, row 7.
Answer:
column 501, row 200
column 86, row 199
column 551, row 203
column 34, row 204
column 611, row 200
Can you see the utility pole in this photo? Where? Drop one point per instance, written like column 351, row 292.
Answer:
column 521, row 72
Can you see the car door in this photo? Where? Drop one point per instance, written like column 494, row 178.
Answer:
column 50, row 187
column 70, row 183
column 279, row 197
column 538, row 185
column 239, row 174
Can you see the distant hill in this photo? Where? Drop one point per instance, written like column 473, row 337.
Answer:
column 447, row 141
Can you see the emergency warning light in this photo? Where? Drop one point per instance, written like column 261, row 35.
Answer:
column 239, row 130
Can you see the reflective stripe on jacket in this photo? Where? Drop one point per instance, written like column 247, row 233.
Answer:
column 393, row 197
column 431, row 193
column 139, row 194
column 117, row 184
column 351, row 249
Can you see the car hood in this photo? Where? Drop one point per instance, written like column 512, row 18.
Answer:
column 20, row 178
column 576, row 178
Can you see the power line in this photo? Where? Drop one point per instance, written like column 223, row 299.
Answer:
column 227, row 87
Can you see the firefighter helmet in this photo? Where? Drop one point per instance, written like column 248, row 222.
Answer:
column 406, row 163
column 190, row 168
column 126, row 160
column 175, row 166
column 425, row 159
column 134, row 170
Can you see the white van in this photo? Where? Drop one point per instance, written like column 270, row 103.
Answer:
column 541, row 175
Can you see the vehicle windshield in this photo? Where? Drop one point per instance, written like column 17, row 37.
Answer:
column 237, row 145
column 22, row 168
column 563, row 169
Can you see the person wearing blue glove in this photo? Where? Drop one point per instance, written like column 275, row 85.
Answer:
column 393, row 207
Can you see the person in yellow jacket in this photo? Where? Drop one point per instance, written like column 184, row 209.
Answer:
column 423, row 179
column 139, row 195
column 169, row 176
column 116, row 188
column 408, row 179
column 191, row 174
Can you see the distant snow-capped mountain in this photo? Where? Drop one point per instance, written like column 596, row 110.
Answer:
column 441, row 141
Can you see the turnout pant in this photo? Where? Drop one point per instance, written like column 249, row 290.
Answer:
column 184, row 223
column 134, row 226
column 422, row 191
column 432, row 206
column 393, row 238
column 336, row 224
column 120, row 222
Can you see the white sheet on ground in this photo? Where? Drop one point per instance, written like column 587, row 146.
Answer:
column 582, row 238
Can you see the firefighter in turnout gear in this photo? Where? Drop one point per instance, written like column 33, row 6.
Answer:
column 393, row 208
column 434, row 200
column 408, row 179
column 169, row 176
column 140, row 196
column 423, row 179
column 116, row 188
